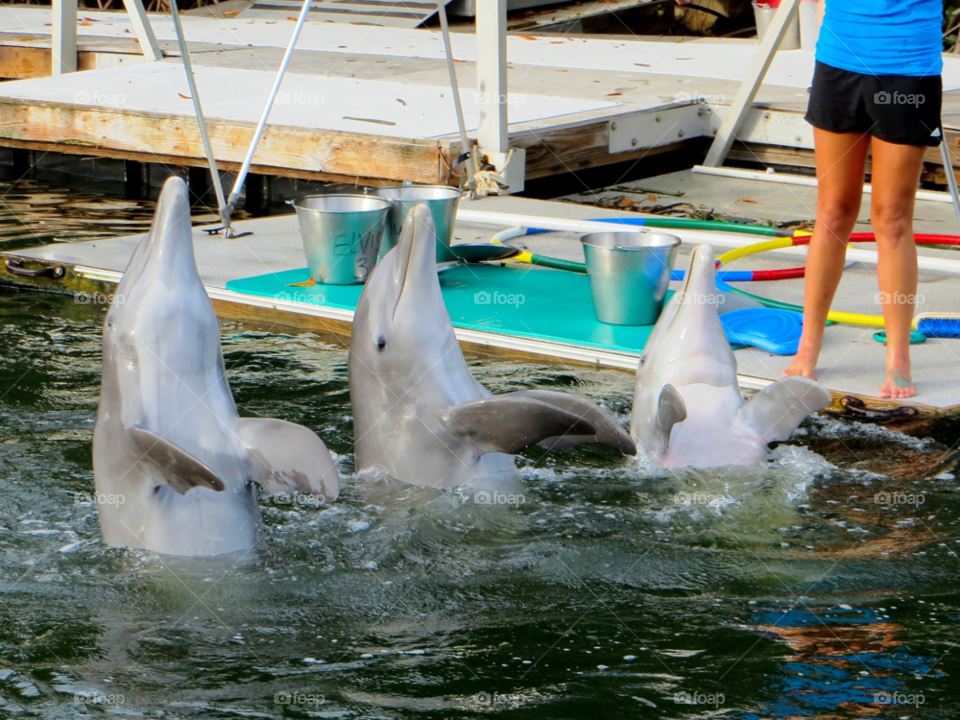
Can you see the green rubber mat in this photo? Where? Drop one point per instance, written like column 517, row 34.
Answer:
column 551, row 305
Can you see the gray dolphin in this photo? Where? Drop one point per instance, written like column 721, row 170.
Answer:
column 173, row 462
column 418, row 413
column 687, row 405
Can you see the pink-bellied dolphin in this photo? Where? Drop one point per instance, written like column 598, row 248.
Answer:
column 418, row 413
column 173, row 461
column 687, row 405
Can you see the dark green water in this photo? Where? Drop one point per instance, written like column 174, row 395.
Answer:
column 785, row 591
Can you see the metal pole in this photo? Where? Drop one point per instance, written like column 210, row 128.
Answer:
column 245, row 168
column 951, row 178
column 455, row 86
column 191, row 81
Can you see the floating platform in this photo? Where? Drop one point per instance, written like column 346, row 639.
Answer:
column 372, row 104
column 253, row 278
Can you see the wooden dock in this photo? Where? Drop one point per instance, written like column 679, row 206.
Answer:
column 372, row 105
column 851, row 365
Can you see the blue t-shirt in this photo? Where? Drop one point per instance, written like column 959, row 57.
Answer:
column 882, row 37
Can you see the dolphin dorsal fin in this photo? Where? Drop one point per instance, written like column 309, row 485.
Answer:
column 671, row 409
column 509, row 423
column 180, row 469
column 289, row 457
column 777, row 410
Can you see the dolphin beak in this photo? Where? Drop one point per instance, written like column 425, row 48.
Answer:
column 416, row 251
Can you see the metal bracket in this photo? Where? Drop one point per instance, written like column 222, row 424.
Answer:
column 655, row 128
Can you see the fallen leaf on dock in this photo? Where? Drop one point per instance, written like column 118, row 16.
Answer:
column 84, row 24
column 613, row 94
column 526, row 37
column 230, row 13
column 292, row 19
column 625, row 202
column 651, row 197
column 401, row 102
column 185, row 97
column 748, row 200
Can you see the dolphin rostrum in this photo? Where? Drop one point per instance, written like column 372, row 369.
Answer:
column 419, row 415
column 687, row 406
column 173, row 462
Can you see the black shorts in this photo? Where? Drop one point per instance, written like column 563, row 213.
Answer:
column 899, row 109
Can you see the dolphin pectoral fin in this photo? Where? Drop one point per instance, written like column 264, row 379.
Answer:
column 508, row 423
column 181, row 470
column 780, row 407
column 289, row 458
column 608, row 430
column 671, row 409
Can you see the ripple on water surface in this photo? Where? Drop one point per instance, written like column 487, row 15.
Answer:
column 823, row 582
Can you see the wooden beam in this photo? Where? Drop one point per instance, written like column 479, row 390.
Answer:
column 747, row 93
column 143, row 30
column 492, row 135
column 112, row 132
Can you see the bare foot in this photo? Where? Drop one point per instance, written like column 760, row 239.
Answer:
column 898, row 384
column 803, row 364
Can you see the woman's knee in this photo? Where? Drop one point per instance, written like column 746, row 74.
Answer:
column 838, row 214
column 892, row 221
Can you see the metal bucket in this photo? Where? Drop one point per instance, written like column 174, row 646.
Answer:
column 441, row 200
column 629, row 274
column 341, row 235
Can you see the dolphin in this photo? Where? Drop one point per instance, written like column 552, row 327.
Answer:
column 418, row 413
column 687, row 405
column 173, row 462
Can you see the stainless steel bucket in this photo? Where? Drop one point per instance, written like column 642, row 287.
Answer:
column 342, row 235
column 629, row 274
column 441, row 200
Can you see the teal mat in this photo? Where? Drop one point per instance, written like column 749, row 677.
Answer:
column 551, row 305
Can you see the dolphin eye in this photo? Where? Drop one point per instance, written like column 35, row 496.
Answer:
column 381, row 343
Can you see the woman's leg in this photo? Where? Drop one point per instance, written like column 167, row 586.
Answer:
column 896, row 172
column 840, row 162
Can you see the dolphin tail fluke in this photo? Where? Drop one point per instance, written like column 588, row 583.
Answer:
column 289, row 458
column 671, row 409
column 509, row 423
column 181, row 470
column 777, row 410
column 608, row 430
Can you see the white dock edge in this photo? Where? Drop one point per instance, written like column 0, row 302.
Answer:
column 561, row 351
